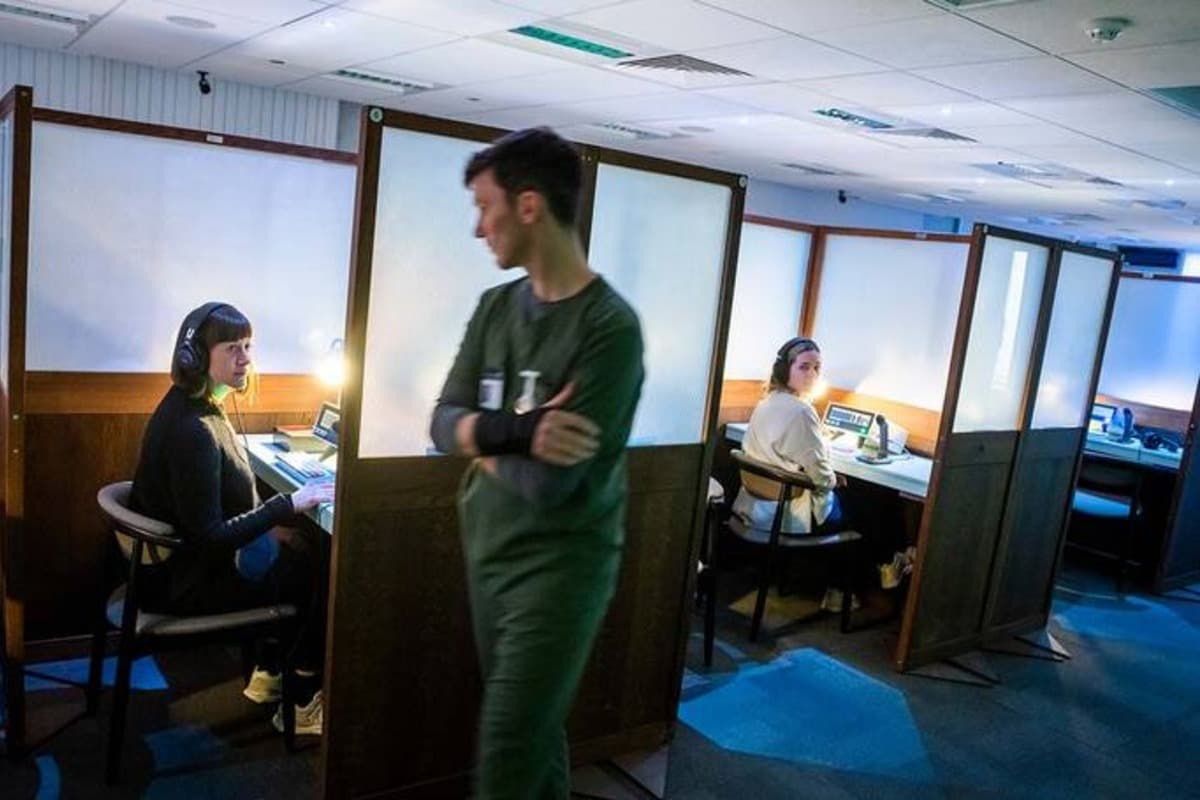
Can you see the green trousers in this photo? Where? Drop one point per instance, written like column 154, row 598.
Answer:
column 535, row 620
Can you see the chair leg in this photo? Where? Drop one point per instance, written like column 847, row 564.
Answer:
column 120, row 703
column 847, row 585
column 760, row 602
column 287, row 706
column 710, row 613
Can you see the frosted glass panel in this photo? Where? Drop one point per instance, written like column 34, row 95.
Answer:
column 1071, row 343
column 1153, row 351
column 885, row 316
column 1006, row 310
column 6, row 179
column 147, row 229
column 427, row 273
column 767, row 299
column 660, row 241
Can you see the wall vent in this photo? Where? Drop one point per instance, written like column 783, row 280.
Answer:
column 387, row 82
column 47, row 14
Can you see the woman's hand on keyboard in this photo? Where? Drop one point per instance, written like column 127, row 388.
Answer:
column 312, row 494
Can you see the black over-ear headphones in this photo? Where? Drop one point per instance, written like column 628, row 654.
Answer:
column 190, row 359
column 779, row 372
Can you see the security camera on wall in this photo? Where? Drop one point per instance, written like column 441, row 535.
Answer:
column 841, row 195
column 203, row 84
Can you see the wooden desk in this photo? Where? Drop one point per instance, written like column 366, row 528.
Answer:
column 907, row 475
column 262, row 450
column 1132, row 452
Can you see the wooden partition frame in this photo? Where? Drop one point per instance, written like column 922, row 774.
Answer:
column 1041, row 489
column 55, row 539
column 401, row 673
column 1179, row 562
column 968, row 525
column 17, row 105
column 739, row 397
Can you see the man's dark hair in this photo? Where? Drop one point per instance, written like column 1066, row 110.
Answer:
column 536, row 159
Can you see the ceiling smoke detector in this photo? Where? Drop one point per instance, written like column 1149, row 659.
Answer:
column 1105, row 29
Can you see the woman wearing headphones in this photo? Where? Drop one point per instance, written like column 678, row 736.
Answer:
column 785, row 432
column 194, row 473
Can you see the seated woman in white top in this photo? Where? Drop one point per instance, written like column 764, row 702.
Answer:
column 786, row 432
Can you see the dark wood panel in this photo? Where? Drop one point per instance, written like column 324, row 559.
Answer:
column 775, row 222
column 69, row 457
column 1038, row 503
column 401, row 619
column 1179, row 564
column 1171, row 419
column 959, row 530
column 139, row 393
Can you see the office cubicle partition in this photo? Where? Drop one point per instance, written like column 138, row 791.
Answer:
column 16, row 128
column 126, row 227
column 401, row 671
column 1014, row 372
column 1179, row 564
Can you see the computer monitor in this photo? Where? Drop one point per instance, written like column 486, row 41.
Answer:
column 329, row 422
column 1101, row 414
column 851, row 420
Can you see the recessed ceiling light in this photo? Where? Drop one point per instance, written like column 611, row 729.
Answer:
column 947, row 111
column 1169, row 182
column 195, row 23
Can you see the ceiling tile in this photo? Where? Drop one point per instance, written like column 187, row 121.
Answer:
column 1147, row 67
column 1080, row 112
column 258, row 71
column 138, row 32
column 1136, row 133
column 343, row 90
column 1025, row 77
column 674, row 24
column 1059, row 26
column 652, row 107
column 953, row 115
column 463, row 17
column 559, row 7
column 272, row 12
column 787, row 58
column 778, row 97
column 1032, row 133
column 30, row 33
column 813, row 16
column 467, row 61
column 886, row 89
column 926, row 42
column 337, row 38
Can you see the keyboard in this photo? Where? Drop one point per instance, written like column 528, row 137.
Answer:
column 302, row 467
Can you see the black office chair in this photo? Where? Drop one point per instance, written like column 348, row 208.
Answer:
column 1112, row 493
column 146, row 541
column 770, row 483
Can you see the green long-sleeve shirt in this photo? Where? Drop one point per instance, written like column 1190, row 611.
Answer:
column 592, row 340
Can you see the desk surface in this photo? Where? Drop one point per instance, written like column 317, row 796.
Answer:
column 909, row 475
column 1132, row 451
column 262, row 450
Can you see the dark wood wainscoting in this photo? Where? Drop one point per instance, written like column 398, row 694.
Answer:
column 957, row 544
column 84, row 430
column 402, row 671
column 1033, row 529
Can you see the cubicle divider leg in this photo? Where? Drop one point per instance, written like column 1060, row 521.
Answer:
column 1040, row 645
column 970, row 669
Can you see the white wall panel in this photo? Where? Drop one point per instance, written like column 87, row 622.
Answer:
column 885, row 315
column 110, row 88
column 129, row 232
column 768, row 298
column 1153, row 350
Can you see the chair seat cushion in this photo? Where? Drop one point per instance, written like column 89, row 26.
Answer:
column 152, row 624
column 763, row 536
column 1098, row 505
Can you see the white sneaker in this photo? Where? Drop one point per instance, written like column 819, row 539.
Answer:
column 310, row 719
column 832, row 601
column 264, row 687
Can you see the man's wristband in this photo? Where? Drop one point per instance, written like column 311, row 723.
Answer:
column 506, row 432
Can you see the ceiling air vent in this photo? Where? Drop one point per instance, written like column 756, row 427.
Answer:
column 926, row 133
column 633, row 132
column 1184, row 98
column 676, row 62
column 1161, row 205
column 941, row 199
column 1044, row 174
column 41, row 13
column 388, row 82
column 971, row 5
column 850, row 118
column 816, row 169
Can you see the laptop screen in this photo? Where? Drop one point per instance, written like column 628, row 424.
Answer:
column 1101, row 414
column 851, row 420
column 328, row 424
